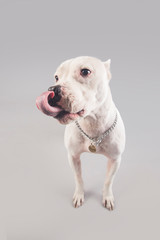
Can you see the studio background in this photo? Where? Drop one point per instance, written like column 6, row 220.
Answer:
column 36, row 182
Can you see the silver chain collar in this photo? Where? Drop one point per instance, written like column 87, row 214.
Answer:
column 97, row 140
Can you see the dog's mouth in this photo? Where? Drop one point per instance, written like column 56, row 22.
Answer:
column 45, row 103
column 73, row 116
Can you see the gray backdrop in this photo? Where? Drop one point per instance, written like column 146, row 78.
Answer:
column 36, row 182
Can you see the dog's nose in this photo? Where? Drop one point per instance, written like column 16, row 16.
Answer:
column 57, row 91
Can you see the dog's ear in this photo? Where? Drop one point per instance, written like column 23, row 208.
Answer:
column 107, row 65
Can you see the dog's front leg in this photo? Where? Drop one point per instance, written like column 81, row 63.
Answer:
column 112, row 168
column 75, row 163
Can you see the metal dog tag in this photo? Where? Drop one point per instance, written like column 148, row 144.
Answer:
column 92, row 148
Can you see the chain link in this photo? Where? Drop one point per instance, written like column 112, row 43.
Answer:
column 98, row 140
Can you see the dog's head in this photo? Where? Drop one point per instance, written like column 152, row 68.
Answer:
column 81, row 86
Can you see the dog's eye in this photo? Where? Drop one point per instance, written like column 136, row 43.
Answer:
column 85, row 72
column 56, row 77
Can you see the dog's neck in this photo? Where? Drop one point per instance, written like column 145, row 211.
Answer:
column 99, row 120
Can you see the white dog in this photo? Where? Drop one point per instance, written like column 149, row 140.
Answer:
column 81, row 98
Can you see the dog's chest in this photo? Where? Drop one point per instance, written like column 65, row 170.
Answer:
column 93, row 147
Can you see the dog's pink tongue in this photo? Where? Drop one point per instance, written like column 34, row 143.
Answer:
column 43, row 105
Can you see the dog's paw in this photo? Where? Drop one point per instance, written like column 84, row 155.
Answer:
column 78, row 199
column 108, row 202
